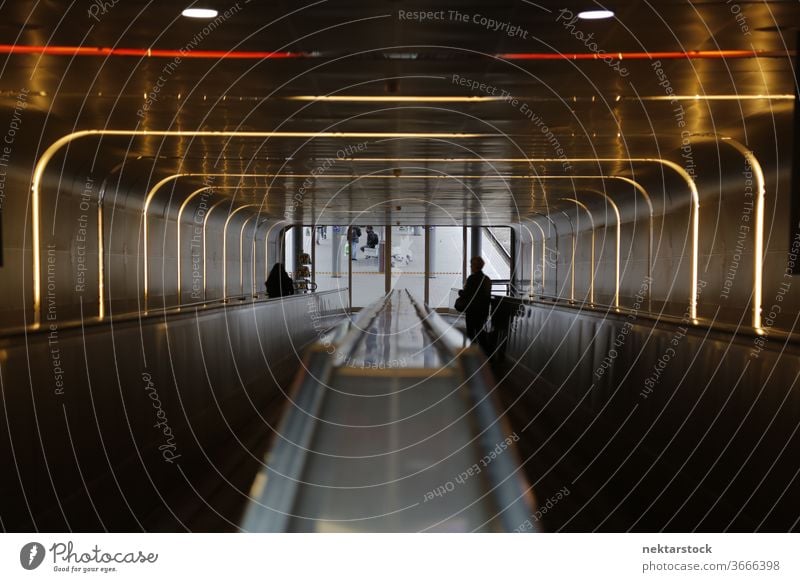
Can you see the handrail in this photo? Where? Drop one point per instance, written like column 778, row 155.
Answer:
column 287, row 457
column 272, row 506
column 356, row 327
column 508, row 484
column 454, row 341
column 229, row 302
column 598, row 310
column 497, row 245
column 507, row 283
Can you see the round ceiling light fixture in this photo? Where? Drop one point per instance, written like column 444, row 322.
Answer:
column 595, row 14
column 199, row 13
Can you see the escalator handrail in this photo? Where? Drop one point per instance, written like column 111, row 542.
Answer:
column 162, row 312
column 699, row 324
column 508, row 484
column 299, row 422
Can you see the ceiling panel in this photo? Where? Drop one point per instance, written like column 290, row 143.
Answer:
column 555, row 108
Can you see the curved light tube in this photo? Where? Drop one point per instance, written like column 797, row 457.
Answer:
column 225, row 247
column 146, row 247
column 695, row 218
column 758, row 252
column 533, row 263
column 544, row 260
column 664, row 162
column 101, row 196
column 253, row 262
column 617, row 249
column 148, row 200
column 533, row 258
column 641, row 190
column 266, row 245
column 253, row 278
column 695, row 232
column 47, row 155
column 180, row 214
column 241, row 252
column 575, row 235
column 161, row 183
column 572, row 259
column 205, row 263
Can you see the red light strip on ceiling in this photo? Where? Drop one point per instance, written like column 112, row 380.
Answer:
column 17, row 49
column 81, row 51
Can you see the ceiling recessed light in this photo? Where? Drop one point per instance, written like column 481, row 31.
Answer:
column 200, row 13
column 595, row 14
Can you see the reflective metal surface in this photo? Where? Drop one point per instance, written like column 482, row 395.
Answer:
column 150, row 160
column 697, row 423
column 143, row 423
column 397, row 122
column 399, row 437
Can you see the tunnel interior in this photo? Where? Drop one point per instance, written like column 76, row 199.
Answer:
column 633, row 195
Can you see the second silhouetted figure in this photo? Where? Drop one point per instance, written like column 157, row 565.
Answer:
column 279, row 283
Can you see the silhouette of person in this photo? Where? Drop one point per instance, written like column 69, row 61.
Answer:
column 279, row 283
column 477, row 295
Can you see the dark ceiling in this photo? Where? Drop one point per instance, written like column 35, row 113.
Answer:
column 348, row 48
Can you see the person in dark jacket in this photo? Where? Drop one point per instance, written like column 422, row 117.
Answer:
column 476, row 296
column 372, row 239
column 355, row 237
column 279, row 283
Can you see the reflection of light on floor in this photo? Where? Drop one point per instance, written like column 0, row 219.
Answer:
column 257, row 488
column 453, row 525
column 323, row 526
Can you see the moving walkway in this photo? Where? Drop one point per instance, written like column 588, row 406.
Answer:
column 392, row 426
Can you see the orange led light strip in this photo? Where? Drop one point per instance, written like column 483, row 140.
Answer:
column 87, row 51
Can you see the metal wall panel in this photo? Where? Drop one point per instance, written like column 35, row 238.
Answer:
column 79, row 404
column 718, row 409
